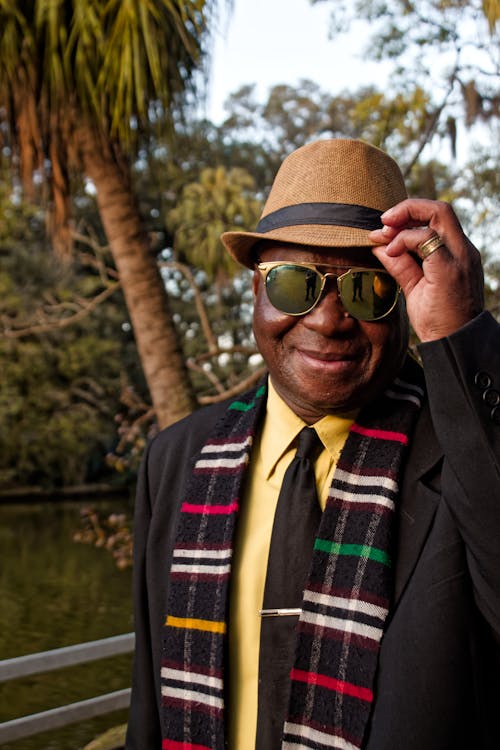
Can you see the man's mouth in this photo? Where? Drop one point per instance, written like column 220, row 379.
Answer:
column 328, row 363
column 325, row 356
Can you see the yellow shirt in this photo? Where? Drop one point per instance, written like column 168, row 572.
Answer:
column 271, row 455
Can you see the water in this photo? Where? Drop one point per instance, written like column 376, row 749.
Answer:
column 53, row 593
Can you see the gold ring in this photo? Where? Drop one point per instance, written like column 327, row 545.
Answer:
column 430, row 246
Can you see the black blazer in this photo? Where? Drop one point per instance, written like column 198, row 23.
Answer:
column 438, row 681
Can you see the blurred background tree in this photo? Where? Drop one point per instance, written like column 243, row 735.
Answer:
column 221, row 200
column 63, row 369
column 78, row 82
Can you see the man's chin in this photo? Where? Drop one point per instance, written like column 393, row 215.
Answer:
column 313, row 403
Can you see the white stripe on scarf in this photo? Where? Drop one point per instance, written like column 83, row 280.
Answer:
column 222, row 554
column 192, row 696
column 350, row 605
column 345, row 626
column 314, row 735
column 169, row 673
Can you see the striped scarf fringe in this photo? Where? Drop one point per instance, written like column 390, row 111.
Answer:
column 347, row 598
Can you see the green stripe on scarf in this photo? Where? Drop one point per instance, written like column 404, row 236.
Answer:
column 242, row 406
column 356, row 550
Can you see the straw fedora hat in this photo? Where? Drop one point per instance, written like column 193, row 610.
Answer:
column 329, row 193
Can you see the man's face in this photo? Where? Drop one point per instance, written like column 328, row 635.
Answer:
column 326, row 362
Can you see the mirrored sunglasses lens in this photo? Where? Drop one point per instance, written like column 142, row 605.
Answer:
column 293, row 289
column 368, row 295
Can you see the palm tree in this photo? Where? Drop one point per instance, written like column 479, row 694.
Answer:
column 79, row 79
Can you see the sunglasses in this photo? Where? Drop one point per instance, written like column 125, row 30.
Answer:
column 296, row 288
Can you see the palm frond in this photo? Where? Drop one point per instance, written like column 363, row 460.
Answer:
column 101, row 64
column 152, row 47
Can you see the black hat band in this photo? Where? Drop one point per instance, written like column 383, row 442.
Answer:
column 338, row 214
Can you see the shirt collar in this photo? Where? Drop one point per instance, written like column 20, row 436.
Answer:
column 282, row 425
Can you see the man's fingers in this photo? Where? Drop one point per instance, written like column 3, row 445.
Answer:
column 412, row 222
column 422, row 243
column 415, row 212
column 404, row 268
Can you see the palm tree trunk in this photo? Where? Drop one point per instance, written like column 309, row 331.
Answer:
column 145, row 295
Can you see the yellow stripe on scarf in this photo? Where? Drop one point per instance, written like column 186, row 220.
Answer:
column 191, row 623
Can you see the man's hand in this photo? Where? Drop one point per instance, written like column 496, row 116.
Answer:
column 444, row 291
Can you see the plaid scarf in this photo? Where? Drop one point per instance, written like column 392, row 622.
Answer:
column 346, row 600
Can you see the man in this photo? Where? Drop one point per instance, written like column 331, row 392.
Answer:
column 375, row 623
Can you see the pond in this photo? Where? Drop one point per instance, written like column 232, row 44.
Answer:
column 55, row 592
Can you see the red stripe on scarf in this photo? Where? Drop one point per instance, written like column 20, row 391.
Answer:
column 399, row 437
column 193, row 706
column 199, row 576
column 312, row 678
column 210, row 509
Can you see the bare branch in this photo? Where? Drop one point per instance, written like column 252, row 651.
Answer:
column 29, row 329
column 200, row 307
column 235, row 390
column 91, row 242
column 55, row 307
column 431, row 127
column 192, row 365
column 130, row 398
column 96, row 259
column 129, row 433
column 105, row 272
column 90, row 399
column 246, row 350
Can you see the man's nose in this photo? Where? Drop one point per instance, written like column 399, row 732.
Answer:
column 329, row 316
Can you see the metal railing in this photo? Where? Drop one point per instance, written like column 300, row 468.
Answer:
column 55, row 718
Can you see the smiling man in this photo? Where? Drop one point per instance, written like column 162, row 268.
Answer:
column 317, row 562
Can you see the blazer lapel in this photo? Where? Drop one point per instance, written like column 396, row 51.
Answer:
column 420, row 493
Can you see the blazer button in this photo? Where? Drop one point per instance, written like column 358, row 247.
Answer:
column 491, row 397
column 495, row 415
column 482, row 380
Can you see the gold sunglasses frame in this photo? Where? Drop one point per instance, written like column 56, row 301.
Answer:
column 265, row 267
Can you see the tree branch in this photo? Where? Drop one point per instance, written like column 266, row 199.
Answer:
column 235, row 390
column 29, row 329
column 429, row 131
column 238, row 349
column 200, row 307
column 95, row 260
column 192, row 365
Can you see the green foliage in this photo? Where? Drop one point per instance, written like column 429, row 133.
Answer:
column 220, row 201
column 390, row 122
column 48, row 426
column 59, row 390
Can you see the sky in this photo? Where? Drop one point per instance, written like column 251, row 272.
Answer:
column 269, row 42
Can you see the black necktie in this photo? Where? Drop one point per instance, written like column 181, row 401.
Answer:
column 296, row 521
